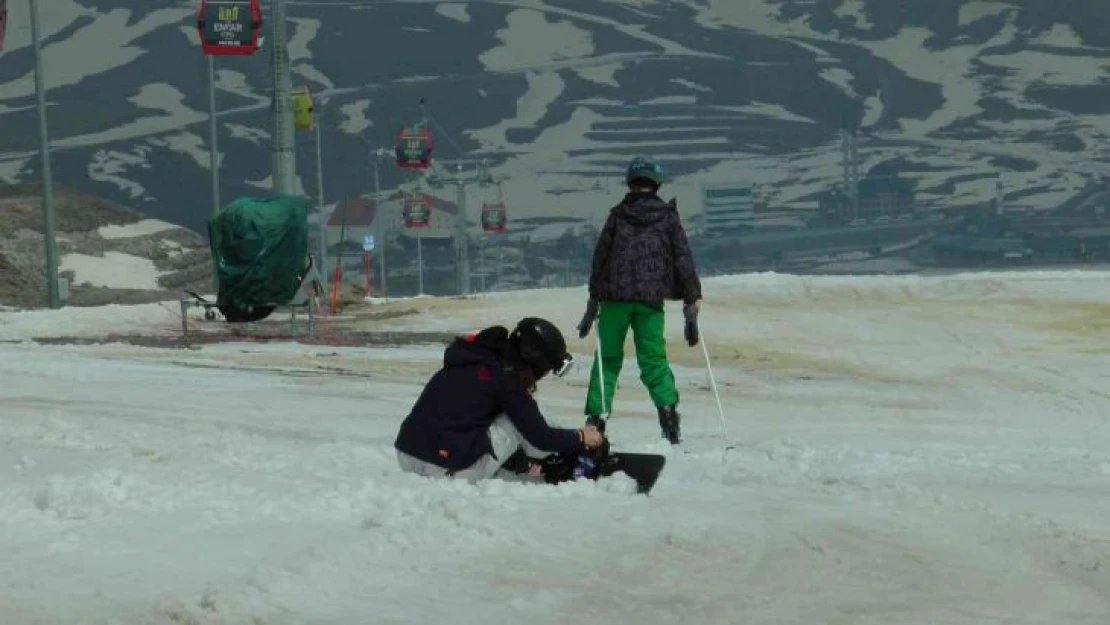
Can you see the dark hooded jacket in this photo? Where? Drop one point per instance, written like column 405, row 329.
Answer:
column 449, row 424
column 642, row 254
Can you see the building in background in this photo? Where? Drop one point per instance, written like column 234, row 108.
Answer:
column 732, row 209
column 726, row 208
column 881, row 199
column 359, row 216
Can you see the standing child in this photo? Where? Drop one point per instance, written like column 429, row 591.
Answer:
column 642, row 258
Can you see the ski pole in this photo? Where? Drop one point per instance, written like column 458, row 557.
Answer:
column 600, row 370
column 717, row 395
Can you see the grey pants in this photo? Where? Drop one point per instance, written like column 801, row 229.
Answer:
column 505, row 439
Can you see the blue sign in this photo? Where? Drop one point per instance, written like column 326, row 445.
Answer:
column 368, row 243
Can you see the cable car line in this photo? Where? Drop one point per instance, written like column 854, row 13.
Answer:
column 446, row 135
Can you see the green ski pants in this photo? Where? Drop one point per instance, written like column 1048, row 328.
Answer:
column 647, row 323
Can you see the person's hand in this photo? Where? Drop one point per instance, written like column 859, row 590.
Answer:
column 690, row 312
column 592, row 437
column 587, row 319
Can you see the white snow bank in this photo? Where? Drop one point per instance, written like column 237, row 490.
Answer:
column 390, row 300
column 728, row 302
column 137, row 229
column 90, row 321
column 114, row 270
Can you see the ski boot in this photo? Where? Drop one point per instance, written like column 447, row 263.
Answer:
column 669, row 423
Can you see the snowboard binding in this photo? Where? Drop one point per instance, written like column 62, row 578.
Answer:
column 593, row 465
column 557, row 468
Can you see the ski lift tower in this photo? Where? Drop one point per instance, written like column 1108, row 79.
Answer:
column 52, row 289
column 849, row 133
column 461, row 173
column 284, row 163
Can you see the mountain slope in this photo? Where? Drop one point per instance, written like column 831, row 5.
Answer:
column 560, row 93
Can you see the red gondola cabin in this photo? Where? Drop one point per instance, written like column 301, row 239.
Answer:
column 415, row 211
column 494, row 217
column 414, row 148
column 230, row 27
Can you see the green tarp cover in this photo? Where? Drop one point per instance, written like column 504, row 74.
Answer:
column 259, row 249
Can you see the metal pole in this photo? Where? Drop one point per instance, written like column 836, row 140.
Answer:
column 47, row 183
column 462, row 241
column 213, row 139
column 420, row 262
column 285, row 170
column 320, row 203
column 213, row 150
column 379, row 219
column 855, row 175
column 462, row 253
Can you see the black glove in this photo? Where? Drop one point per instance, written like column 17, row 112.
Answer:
column 690, row 311
column 558, row 468
column 587, row 319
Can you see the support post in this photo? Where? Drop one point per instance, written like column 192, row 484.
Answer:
column 213, row 138
column 53, row 293
column 320, row 203
column 379, row 220
column 369, row 262
column 420, row 263
column 462, row 241
column 213, row 151
column 285, row 170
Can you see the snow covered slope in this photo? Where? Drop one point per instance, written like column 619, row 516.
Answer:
column 910, row 450
column 560, row 93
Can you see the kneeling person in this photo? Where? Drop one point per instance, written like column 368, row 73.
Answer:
column 477, row 412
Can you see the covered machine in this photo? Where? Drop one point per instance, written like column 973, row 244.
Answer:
column 260, row 256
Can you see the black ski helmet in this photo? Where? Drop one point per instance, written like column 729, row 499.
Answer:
column 541, row 346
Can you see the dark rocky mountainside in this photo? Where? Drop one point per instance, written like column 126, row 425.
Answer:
column 558, row 94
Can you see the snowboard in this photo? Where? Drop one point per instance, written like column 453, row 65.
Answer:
column 643, row 468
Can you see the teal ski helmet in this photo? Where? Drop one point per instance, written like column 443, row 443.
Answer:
column 643, row 169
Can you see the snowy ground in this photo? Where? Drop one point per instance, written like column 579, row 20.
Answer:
column 909, row 450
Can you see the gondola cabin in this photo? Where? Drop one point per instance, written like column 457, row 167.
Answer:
column 494, row 217
column 303, row 111
column 414, row 148
column 3, row 21
column 415, row 211
column 230, row 27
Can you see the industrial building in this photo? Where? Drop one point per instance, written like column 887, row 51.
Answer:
column 729, row 208
column 881, row 199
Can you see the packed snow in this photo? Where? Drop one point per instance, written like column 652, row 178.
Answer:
column 140, row 228
column 92, row 322
column 114, row 270
column 908, row 450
